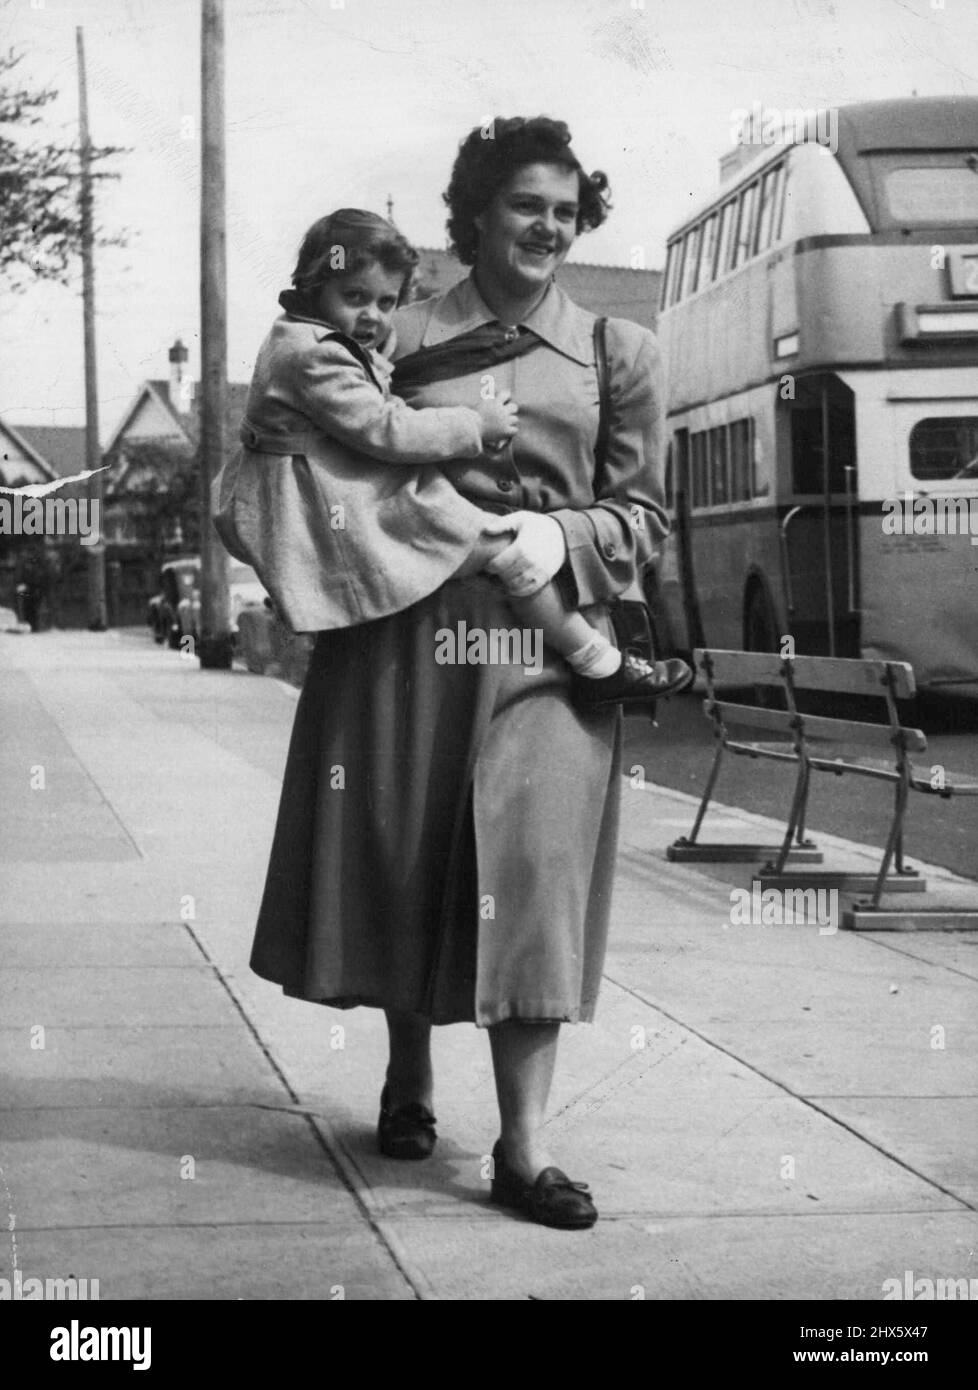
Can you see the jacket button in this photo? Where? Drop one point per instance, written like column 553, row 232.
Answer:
column 505, row 485
column 609, row 550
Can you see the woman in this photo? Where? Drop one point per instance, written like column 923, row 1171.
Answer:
column 447, row 832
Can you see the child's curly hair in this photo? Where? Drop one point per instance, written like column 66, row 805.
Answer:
column 490, row 155
column 343, row 243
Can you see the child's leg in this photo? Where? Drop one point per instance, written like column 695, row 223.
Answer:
column 586, row 650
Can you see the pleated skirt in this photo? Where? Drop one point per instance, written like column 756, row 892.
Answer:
column 447, row 829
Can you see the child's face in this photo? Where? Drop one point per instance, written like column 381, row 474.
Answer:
column 362, row 304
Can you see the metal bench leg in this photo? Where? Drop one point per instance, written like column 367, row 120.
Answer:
column 796, row 816
column 707, row 793
column 893, row 841
column 802, row 816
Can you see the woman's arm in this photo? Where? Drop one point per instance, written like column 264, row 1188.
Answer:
column 610, row 542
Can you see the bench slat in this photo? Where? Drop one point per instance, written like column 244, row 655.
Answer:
column 833, row 674
column 817, row 726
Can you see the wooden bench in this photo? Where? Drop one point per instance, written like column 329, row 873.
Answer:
column 727, row 675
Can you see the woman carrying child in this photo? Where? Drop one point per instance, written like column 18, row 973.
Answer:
column 461, row 784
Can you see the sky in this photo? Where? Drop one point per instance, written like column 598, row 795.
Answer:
column 334, row 103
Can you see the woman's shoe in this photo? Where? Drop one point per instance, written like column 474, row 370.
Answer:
column 636, row 681
column 552, row 1200
column 407, row 1132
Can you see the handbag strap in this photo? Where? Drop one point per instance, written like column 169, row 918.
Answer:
column 604, row 401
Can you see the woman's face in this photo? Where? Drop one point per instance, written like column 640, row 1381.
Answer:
column 528, row 228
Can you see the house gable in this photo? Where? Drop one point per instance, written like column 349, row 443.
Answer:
column 20, row 462
column 149, row 417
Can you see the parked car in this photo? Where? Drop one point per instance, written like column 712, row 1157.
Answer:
column 174, row 613
column 244, row 590
column 178, row 579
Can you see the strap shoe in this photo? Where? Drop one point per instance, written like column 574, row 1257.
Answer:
column 636, row 681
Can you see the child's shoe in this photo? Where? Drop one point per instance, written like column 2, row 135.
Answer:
column 636, row 681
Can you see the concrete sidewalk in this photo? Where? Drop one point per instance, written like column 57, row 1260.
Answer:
column 761, row 1112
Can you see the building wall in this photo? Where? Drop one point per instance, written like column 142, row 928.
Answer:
column 616, row 291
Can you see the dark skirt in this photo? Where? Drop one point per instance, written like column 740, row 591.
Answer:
column 447, row 832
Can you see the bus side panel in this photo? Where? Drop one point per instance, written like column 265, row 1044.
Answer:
column 718, row 551
column 732, row 552
column 671, row 591
column 919, row 603
column 919, row 592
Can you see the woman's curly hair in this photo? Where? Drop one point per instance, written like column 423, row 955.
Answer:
column 488, row 158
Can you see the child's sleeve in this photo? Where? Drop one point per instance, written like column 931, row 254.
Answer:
column 335, row 393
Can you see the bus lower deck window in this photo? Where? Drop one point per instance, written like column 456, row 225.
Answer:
column 944, row 447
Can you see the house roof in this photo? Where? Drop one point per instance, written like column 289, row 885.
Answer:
column 61, row 446
column 601, row 289
column 187, row 424
column 23, row 445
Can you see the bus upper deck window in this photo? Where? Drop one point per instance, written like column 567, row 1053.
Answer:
column 933, row 194
column 676, row 284
column 728, row 221
column 944, row 447
column 780, row 203
column 667, row 275
column 708, row 246
column 691, row 262
column 769, row 196
column 745, row 225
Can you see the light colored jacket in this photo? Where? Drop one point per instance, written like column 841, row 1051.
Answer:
column 334, row 496
column 612, row 524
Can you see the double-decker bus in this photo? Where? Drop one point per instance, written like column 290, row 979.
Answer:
column 819, row 325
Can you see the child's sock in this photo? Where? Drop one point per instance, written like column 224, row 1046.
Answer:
column 596, row 659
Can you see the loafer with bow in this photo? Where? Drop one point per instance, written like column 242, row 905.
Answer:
column 636, row 681
column 552, row 1199
column 407, row 1132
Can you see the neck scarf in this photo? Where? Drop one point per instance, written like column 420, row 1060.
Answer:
column 476, row 351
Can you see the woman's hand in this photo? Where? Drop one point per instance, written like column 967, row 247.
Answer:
column 497, row 420
column 535, row 555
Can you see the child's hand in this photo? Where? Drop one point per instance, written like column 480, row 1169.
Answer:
column 497, row 420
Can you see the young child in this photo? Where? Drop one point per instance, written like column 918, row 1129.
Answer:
column 321, row 395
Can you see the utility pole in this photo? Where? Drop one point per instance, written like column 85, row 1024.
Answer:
column 97, row 611
column 215, row 649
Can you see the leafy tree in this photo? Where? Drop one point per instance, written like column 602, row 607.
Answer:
column 40, row 221
column 155, row 486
